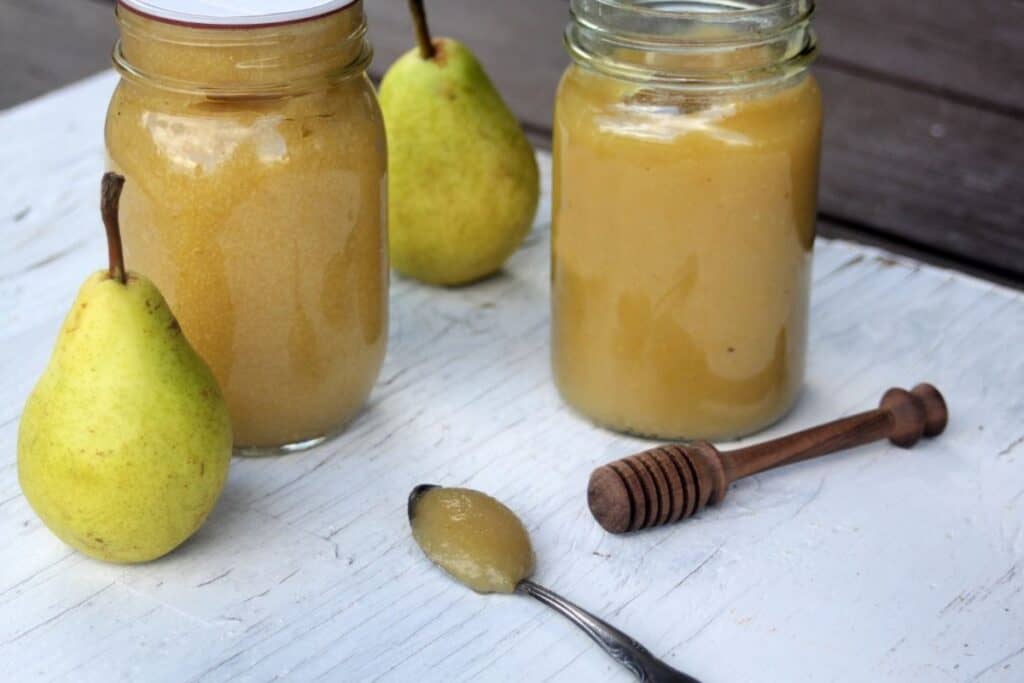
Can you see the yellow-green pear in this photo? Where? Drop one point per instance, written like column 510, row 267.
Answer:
column 463, row 178
column 124, row 444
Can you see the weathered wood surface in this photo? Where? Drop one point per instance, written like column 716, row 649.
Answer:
column 48, row 43
column 878, row 564
column 971, row 51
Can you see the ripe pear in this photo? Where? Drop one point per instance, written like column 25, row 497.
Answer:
column 463, row 177
column 124, row 444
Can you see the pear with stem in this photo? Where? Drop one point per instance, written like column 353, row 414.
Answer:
column 124, row 445
column 464, row 183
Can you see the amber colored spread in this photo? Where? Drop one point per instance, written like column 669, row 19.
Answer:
column 261, row 218
column 474, row 538
column 682, row 235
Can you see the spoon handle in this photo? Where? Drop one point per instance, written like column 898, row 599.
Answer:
column 620, row 646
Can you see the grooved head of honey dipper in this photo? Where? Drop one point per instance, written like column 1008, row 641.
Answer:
column 609, row 500
column 656, row 487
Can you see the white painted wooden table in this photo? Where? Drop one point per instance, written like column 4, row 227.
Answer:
column 880, row 564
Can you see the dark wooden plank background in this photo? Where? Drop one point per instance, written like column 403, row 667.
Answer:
column 924, row 137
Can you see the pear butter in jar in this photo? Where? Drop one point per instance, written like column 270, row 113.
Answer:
column 255, row 160
column 687, row 139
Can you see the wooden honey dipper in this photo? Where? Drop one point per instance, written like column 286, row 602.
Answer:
column 672, row 482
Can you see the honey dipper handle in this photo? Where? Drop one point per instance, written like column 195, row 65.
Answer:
column 903, row 417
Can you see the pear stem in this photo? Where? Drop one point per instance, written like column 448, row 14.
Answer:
column 419, row 20
column 110, row 201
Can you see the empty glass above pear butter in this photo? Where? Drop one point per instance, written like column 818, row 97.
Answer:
column 483, row 544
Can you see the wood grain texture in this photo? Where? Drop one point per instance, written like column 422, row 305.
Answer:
column 972, row 51
column 45, row 44
column 933, row 172
column 306, row 569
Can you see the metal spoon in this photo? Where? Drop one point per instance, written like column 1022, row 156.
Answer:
column 625, row 650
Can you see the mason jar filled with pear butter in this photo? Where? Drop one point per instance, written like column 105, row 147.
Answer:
column 255, row 159
column 686, row 152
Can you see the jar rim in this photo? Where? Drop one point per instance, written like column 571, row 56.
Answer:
column 187, row 14
column 745, row 17
column 730, row 8
column 707, row 45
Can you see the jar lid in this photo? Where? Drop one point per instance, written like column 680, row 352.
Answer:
column 227, row 13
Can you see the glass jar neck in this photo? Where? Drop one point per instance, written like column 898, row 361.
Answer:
column 242, row 61
column 705, row 45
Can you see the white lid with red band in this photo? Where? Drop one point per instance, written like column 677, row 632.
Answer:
column 235, row 12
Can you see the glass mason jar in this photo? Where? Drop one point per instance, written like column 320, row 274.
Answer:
column 686, row 153
column 255, row 159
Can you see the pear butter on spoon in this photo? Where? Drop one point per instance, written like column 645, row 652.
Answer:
column 483, row 545
column 473, row 537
